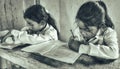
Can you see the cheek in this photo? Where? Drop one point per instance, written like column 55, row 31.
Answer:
column 81, row 25
column 93, row 29
column 40, row 27
column 37, row 27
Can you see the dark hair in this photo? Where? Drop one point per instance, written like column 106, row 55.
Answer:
column 108, row 20
column 91, row 14
column 38, row 13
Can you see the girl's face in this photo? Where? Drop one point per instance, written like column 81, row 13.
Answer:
column 90, row 30
column 81, row 24
column 34, row 25
column 83, row 27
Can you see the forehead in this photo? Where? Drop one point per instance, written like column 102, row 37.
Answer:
column 29, row 20
column 78, row 21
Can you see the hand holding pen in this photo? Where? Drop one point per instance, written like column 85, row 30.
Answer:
column 73, row 36
column 73, row 42
column 72, row 33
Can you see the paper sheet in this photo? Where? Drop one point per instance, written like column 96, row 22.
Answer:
column 54, row 49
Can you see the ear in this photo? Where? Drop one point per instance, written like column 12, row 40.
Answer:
column 102, row 10
column 45, row 17
column 43, row 22
column 102, row 25
column 44, row 14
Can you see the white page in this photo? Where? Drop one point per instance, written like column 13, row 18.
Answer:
column 42, row 47
column 54, row 49
column 63, row 53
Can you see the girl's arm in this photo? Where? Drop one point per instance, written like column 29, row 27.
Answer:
column 3, row 33
column 24, row 37
column 108, row 51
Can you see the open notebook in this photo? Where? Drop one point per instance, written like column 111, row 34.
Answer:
column 55, row 50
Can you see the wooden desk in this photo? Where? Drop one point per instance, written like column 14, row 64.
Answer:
column 34, row 61
column 23, row 59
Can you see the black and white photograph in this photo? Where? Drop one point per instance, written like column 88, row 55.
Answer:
column 59, row 34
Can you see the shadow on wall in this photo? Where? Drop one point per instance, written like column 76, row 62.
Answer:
column 113, row 11
column 11, row 13
column 68, row 10
column 64, row 21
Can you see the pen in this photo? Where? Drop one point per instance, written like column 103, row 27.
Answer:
column 72, row 33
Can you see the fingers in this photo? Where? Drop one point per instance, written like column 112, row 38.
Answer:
column 2, row 33
column 70, row 42
column 74, row 45
column 73, row 41
column 5, row 37
column 74, row 38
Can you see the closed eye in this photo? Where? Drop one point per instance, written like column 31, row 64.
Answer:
column 30, row 24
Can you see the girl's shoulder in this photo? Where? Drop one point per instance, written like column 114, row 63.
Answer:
column 49, row 28
column 109, row 31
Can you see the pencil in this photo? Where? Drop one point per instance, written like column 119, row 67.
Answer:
column 72, row 33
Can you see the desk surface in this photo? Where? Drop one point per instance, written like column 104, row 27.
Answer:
column 22, row 59
column 25, row 59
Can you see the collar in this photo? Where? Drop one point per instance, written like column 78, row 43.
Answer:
column 96, row 36
column 98, row 33
column 40, row 31
column 45, row 29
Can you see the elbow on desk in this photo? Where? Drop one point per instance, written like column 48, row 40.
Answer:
column 115, row 54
